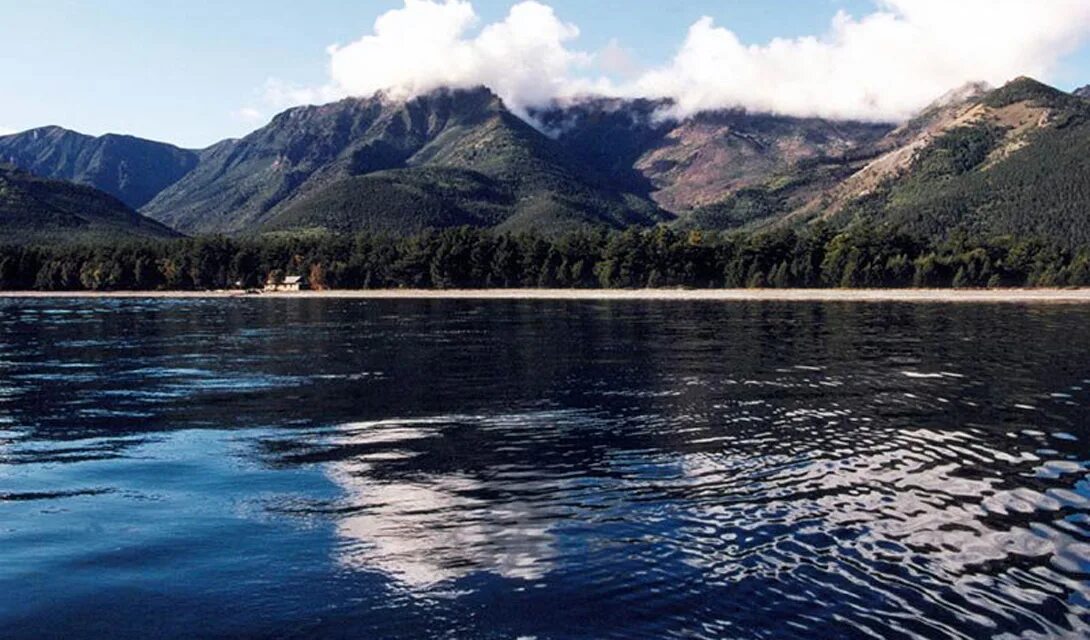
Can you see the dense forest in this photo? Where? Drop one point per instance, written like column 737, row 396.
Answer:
column 860, row 256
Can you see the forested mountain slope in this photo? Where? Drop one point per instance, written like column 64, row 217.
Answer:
column 1013, row 161
column 35, row 209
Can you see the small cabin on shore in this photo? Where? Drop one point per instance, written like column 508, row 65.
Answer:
column 290, row 283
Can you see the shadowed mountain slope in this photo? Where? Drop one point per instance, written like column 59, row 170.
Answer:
column 35, row 209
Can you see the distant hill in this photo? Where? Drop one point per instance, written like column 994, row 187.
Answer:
column 450, row 157
column 1082, row 92
column 35, row 209
column 130, row 169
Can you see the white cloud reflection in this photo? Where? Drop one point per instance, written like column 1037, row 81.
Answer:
column 429, row 529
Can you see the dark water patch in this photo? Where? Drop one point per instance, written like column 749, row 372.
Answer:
column 50, row 495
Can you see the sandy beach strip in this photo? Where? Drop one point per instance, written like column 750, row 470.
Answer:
column 1024, row 296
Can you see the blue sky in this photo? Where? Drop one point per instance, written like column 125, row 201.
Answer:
column 182, row 71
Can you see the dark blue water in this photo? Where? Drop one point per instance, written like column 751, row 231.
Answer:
column 543, row 470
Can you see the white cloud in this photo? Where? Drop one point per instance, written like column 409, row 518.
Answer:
column 280, row 95
column 616, row 60
column 426, row 45
column 249, row 115
column 884, row 65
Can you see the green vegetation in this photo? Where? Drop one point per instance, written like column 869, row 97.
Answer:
column 465, row 257
column 400, row 201
column 1038, row 187
column 958, row 152
column 34, row 209
column 1027, row 90
column 744, row 207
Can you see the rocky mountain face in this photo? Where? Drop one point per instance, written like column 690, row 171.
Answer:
column 131, row 169
column 1082, row 92
column 35, row 209
column 687, row 164
column 451, row 157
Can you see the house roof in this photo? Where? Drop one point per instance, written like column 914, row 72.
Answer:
column 293, row 279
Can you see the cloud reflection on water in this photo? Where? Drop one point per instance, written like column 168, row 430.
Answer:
column 428, row 529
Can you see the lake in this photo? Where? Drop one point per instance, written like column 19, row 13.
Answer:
column 547, row 469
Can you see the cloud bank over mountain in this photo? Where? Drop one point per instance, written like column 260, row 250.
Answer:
column 428, row 44
column 881, row 66
column 885, row 65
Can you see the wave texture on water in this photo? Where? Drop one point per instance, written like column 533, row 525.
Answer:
column 543, row 469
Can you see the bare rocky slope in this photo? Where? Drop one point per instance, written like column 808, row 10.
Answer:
column 1009, row 161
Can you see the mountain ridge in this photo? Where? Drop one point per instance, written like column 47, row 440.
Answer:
column 1005, row 162
column 131, row 169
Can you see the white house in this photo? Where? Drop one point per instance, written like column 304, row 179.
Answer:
column 290, row 283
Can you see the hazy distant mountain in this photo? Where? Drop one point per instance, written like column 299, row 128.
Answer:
column 131, row 169
column 447, row 158
column 35, row 209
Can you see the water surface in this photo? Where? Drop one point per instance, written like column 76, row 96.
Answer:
column 501, row 469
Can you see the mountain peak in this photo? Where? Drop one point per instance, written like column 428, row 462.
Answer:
column 475, row 100
column 1026, row 89
column 450, row 156
column 965, row 93
column 48, row 132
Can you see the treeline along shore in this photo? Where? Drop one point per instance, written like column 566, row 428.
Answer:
column 467, row 258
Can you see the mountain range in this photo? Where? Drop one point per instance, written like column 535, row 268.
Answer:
column 987, row 161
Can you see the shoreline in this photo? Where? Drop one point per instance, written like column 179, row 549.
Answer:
column 1037, row 296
